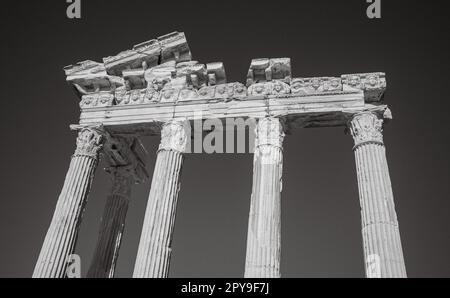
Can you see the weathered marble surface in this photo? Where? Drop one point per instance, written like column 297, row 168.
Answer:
column 161, row 71
column 61, row 236
column 264, row 224
column 383, row 252
column 155, row 246
column 138, row 97
column 156, row 88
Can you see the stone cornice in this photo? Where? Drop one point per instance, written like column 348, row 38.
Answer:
column 157, row 81
column 161, row 70
column 172, row 46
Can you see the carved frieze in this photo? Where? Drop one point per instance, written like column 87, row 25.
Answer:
column 224, row 91
column 138, row 96
column 280, row 88
column 161, row 70
column 262, row 89
column 240, row 91
column 277, row 88
column 207, row 92
column 373, row 84
column 188, row 94
column 169, row 95
column 306, row 86
column 101, row 99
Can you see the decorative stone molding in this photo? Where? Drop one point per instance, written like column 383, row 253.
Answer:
column 373, row 84
column 161, row 71
column 366, row 127
column 89, row 142
column 101, row 99
column 276, row 88
column 305, row 86
column 174, row 136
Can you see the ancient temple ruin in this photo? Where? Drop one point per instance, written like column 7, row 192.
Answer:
column 156, row 88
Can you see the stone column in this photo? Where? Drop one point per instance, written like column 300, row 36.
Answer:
column 61, row 237
column 112, row 223
column 155, row 245
column 264, row 228
column 382, row 246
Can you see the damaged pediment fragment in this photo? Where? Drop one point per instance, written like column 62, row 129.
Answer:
column 266, row 70
column 91, row 77
column 170, row 47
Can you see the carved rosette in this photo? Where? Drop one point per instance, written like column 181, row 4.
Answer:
column 89, row 142
column 174, row 136
column 366, row 128
column 269, row 131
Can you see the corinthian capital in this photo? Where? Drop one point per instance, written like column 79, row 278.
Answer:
column 174, row 136
column 366, row 127
column 269, row 131
column 89, row 142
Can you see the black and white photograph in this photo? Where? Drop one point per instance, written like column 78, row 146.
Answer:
column 227, row 145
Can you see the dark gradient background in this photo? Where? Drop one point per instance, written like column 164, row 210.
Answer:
column 321, row 221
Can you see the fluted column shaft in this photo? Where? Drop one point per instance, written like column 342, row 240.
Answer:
column 112, row 224
column 380, row 231
column 61, row 236
column 264, row 227
column 155, row 245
